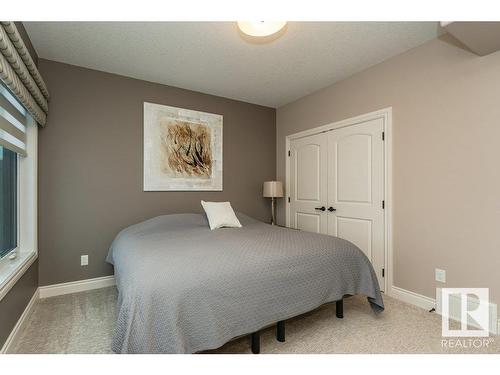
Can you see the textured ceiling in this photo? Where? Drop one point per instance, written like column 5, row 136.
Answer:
column 213, row 58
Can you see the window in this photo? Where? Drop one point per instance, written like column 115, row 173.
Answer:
column 18, row 190
column 8, row 201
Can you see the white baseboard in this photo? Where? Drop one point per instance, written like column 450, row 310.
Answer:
column 20, row 323
column 428, row 303
column 412, row 298
column 76, row 286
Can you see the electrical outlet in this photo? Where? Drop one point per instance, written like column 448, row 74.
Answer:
column 440, row 275
column 84, row 260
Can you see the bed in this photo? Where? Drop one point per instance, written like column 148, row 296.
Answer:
column 184, row 288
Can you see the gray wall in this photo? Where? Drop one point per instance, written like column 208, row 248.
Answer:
column 446, row 132
column 14, row 303
column 91, row 164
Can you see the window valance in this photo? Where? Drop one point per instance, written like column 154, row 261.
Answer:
column 19, row 73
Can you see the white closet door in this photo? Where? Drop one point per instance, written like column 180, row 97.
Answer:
column 356, row 188
column 308, row 183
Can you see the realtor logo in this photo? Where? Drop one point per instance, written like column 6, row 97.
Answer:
column 468, row 305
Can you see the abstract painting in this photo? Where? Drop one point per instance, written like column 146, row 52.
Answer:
column 182, row 149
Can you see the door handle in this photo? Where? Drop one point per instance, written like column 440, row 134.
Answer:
column 322, row 208
column 331, row 209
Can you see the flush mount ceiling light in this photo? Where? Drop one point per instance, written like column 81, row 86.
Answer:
column 261, row 28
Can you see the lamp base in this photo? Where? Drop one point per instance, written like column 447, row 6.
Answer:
column 273, row 211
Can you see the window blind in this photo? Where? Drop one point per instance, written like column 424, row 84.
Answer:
column 13, row 122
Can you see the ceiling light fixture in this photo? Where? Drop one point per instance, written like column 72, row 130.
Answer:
column 261, row 28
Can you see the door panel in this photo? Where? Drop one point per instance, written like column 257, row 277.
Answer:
column 308, row 172
column 308, row 179
column 356, row 188
column 354, row 168
column 358, row 231
column 308, row 222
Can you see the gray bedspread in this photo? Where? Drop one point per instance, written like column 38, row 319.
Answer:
column 184, row 288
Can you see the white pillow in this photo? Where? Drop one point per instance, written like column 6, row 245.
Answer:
column 220, row 214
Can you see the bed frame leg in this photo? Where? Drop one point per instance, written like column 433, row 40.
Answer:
column 280, row 331
column 339, row 307
column 256, row 342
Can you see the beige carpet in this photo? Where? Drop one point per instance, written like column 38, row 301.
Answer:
column 83, row 323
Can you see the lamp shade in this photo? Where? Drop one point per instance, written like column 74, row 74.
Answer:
column 273, row 189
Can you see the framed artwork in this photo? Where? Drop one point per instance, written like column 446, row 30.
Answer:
column 182, row 149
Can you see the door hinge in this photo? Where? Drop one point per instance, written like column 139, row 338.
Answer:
column 383, row 205
column 288, row 152
column 383, row 272
column 383, row 136
column 288, row 199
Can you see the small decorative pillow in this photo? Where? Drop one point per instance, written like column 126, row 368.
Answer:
column 220, row 215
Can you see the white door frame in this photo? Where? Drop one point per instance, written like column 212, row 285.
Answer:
column 386, row 115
